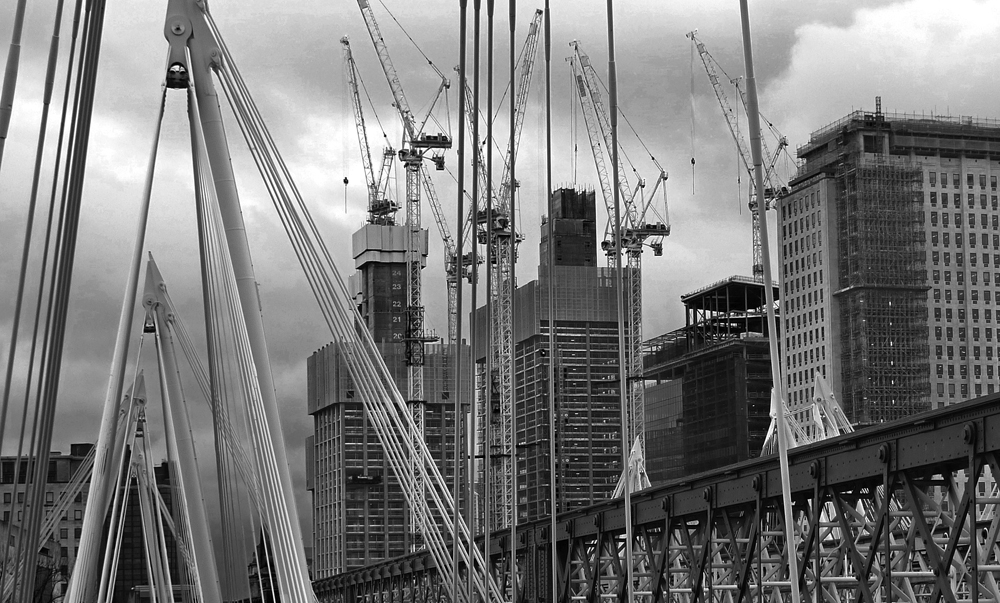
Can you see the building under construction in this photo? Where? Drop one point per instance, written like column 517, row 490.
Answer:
column 360, row 515
column 587, row 404
column 890, row 252
column 709, row 402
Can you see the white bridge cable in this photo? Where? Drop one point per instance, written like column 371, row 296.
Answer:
column 365, row 363
column 310, row 265
column 293, row 576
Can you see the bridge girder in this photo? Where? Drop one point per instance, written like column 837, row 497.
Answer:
column 882, row 514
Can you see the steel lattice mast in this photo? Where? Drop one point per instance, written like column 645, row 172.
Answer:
column 412, row 153
column 500, row 235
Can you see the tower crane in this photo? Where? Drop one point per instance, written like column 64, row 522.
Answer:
column 636, row 232
column 496, row 229
column 773, row 188
column 416, row 146
column 381, row 209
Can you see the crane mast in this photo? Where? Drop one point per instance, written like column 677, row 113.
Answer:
column 636, row 233
column 771, row 187
column 501, row 238
column 413, row 150
column 381, row 209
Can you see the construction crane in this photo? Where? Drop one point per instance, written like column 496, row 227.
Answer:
column 495, row 228
column 773, row 188
column 381, row 209
column 416, row 146
column 637, row 231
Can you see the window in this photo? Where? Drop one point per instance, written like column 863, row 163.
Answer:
column 933, row 178
column 933, row 199
column 947, row 277
column 947, row 258
column 63, row 533
column 937, row 295
column 6, row 498
column 934, row 220
column 949, row 333
column 938, row 351
column 944, row 220
column 944, row 180
column 956, row 180
column 993, row 182
column 982, row 180
column 78, row 514
column 970, row 180
column 937, row 276
column 934, row 237
column 982, row 201
column 937, row 332
column 972, row 201
column 946, row 238
column 935, row 257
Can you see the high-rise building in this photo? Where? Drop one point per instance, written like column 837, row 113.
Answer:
column 709, row 391
column 360, row 515
column 891, row 263
column 587, row 405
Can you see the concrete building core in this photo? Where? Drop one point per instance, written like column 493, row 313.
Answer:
column 890, row 258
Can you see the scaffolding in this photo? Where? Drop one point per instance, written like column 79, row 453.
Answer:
column 883, row 295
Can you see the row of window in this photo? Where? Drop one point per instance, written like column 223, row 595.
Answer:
column 963, row 371
column 965, row 389
column 984, row 219
column 811, row 355
column 937, row 256
column 960, row 277
column 940, row 351
column 803, row 282
column 945, row 239
column 956, row 200
column 801, row 320
column 803, row 244
column 987, row 313
column 949, row 333
column 960, row 296
column 800, row 205
column 803, row 377
column 970, row 180
column 793, row 228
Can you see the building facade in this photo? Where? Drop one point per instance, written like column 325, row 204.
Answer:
column 709, row 383
column 890, row 256
column 360, row 515
column 587, row 405
column 62, row 468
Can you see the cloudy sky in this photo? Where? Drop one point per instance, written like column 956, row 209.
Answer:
column 815, row 61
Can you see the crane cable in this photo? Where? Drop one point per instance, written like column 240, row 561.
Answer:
column 692, row 117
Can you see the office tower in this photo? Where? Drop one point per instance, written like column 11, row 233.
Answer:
column 360, row 515
column 890, row 257
column 587, row 405
column 709, row 382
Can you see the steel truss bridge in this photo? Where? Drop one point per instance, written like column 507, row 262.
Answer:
column 882, row 514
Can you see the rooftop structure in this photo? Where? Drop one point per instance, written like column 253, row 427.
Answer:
column 709, row 403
